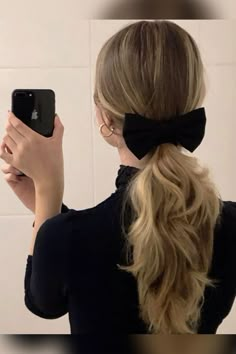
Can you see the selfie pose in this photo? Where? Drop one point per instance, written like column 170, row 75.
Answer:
column 158, row 255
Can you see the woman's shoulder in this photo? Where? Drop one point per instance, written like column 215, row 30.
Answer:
column 89, row 219
column 225, row 233
column 230, row 206
column 80, row 226
column 228, row 215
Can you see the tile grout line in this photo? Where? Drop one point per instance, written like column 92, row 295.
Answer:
column 15, row 215
column 90, row 65
column 44, row 67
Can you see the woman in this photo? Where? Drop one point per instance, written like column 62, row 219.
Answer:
column 157, row 256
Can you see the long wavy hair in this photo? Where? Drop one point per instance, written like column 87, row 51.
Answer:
column 155, row 68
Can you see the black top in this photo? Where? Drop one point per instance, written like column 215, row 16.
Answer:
column 74, row 269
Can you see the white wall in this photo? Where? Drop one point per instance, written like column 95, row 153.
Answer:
column 60, row 53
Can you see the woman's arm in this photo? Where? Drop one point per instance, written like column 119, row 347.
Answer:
column 64, row 209
column 45, row 279
column 48, row 201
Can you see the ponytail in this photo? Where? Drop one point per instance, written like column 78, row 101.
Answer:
column 174, row 211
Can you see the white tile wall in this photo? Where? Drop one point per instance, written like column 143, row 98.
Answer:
column 45, row 43
column 217, row 41
column 18, row 12
column 231, row 8
column 216, row 148
column 60, row 52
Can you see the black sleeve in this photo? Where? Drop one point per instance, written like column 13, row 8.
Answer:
column 219, row 301
column 227, row 292
column 231, row 252
column 64, row 209
column 45, row 277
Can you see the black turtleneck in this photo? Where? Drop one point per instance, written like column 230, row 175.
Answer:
column 74, row 269
column 124, row 174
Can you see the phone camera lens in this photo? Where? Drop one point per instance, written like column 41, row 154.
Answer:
column 20, row 94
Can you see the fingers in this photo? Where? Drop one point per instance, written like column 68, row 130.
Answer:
column 58, row 127
column 22, row 128
column 11, row 173
column 5, row 155
column 11, row 177
column 8, row 150
column 13, row 133
column 9, row 142
column 5, row 147
column 7, row 168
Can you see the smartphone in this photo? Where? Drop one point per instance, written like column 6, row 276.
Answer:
column 36, row 109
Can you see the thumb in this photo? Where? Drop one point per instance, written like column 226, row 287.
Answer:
column 58, row 127
column 5, row 155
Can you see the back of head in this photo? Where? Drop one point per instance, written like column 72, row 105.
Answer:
column 154, row 68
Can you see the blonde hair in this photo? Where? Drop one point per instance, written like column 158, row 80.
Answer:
column 155, row 68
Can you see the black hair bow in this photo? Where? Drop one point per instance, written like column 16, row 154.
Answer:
column 141, row 134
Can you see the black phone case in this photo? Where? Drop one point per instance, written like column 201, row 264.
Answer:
column 35, row 108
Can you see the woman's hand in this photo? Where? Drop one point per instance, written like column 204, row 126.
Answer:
column 38, row 157
column 22, row 186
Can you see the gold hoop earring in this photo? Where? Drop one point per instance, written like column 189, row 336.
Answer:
column 100, row 129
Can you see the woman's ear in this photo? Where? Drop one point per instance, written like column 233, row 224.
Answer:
column 102, row 117
column 98, row 114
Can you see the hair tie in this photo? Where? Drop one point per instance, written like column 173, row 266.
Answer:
column 141, row 134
